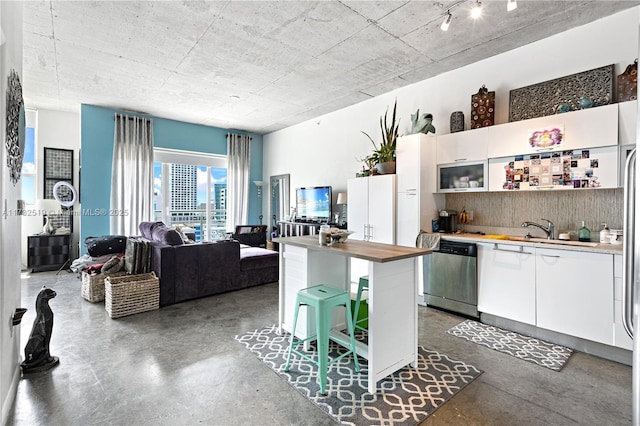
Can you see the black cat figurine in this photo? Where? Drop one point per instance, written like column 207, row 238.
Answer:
column 36, row 352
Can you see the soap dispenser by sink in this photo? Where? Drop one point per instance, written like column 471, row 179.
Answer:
column 605, row 235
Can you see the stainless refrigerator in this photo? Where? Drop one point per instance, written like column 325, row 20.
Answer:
column 631, row 269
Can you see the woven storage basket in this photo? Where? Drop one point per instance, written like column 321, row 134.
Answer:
column 93, row 285
column 131, row 294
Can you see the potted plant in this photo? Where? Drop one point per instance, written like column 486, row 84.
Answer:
column 384, row 156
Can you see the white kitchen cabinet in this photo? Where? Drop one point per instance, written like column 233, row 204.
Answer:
column 506, row 281
column 470, row 145
column 574, row 291
column 620, row 337
column 372, row 208
column 575, row 169
column 417, row 202
column 588, row 128
column 627, row 122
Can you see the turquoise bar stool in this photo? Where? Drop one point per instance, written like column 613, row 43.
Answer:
column 323, row 299
column 363, row 284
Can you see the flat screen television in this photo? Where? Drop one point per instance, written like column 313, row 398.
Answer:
column 314, row 203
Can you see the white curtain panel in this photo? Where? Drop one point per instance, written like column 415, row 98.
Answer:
column 238, row 157
column 132, row 174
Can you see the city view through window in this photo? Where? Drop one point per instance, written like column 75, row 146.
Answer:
column 192, row 196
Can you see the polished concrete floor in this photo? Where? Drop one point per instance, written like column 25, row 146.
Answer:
column 180, row 365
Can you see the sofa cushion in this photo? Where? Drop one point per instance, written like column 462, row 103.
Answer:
column 166, row 235
column 252, row 258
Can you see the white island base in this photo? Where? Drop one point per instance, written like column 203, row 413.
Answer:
column 393, row 288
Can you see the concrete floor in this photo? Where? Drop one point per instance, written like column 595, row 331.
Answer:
column 180, row 365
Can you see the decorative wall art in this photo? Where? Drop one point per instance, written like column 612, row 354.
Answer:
column 546, row 138
column 482, row 108
column 542, row 99
column 14, row 142
column 628, row 83
column 573, row 168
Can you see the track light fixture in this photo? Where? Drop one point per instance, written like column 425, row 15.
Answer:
column 446, row 22
column 511, row 5
column 476, row 11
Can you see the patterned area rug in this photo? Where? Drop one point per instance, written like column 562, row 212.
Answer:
column 527, row 348
column 404, row 398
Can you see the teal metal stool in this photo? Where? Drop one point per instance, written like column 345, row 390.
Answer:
column 323, row 299
column 363, row 284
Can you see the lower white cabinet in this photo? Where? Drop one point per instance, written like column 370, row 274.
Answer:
column 570, row 292
column 507, row 281
column 620, row 337
column 574, row 293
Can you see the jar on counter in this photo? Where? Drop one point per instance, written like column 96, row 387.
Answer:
column 325, row 235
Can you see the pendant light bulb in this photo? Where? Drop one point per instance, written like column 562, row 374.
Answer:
column 476, row 11
column 511, row 5
column 446, row 22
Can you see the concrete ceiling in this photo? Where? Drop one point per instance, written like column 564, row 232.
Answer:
column 264, row 65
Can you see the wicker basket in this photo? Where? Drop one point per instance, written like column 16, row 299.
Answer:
column 131, row 294
column 93, row 285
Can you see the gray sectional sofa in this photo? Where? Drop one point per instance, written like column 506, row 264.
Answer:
column 189, row 271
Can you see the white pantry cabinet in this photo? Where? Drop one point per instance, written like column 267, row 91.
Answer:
column 470, row 145
column 372, row 208
column 574, row 293
column 588, row 128
column 417, row 202
column 507, row 281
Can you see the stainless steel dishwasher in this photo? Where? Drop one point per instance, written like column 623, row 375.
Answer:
column 450, row 279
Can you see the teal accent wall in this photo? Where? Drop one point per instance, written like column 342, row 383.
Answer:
column 96, row 142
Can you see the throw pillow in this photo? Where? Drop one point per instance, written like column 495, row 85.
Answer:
column 146, row 228
column 113, row 265
column 185, row 239
column 166, row 235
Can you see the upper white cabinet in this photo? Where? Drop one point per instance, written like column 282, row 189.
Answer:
column 572, row 169
column 588, row 128
column 372, row 208
column 628, row 122
column 462, row 146
column 574, row 292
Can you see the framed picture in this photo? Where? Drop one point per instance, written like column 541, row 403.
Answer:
column 58, row 166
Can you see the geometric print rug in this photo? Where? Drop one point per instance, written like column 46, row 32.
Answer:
column 527, row 348
column 406, row 397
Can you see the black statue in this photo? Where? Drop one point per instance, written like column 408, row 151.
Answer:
column 36, row 352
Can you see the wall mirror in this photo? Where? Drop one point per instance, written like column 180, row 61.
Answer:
column 279, row 187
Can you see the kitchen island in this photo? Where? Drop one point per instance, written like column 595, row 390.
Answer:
column 393, row 287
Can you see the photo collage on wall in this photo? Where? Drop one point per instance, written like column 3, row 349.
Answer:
column 571, row 168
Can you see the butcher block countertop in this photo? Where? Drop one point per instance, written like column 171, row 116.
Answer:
column 375, row 252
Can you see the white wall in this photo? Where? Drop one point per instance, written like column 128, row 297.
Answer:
column 323, row 151
column 10, row 241
column 54, row 129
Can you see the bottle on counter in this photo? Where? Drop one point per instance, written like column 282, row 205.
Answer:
column 584, row 234
column 325, row 235
column 605, row 234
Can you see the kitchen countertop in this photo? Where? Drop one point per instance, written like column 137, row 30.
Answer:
column 537, row 242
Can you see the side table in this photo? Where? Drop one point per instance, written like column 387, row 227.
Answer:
column 47, row 252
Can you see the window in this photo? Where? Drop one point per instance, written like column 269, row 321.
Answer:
column 190, row 190
column 29, row 160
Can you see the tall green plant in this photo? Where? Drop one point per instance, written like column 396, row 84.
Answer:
column 387, row 150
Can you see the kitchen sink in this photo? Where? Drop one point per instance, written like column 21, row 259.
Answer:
column 542, row 240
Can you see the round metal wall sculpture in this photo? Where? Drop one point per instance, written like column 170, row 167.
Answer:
column 15, row 126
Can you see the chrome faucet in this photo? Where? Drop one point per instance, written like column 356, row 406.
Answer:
column 549, row 230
